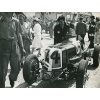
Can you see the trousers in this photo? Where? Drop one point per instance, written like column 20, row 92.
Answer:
column 82, row 40
column 91, row 39
column 26, row 43
column 9, row 53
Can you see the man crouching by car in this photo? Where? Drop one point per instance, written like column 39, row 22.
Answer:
column 60, row 30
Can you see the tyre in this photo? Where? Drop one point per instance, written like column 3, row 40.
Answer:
column 30, row 69
column 81, row 74
column 96, row 56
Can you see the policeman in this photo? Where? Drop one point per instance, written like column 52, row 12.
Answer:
column 10, row 42
column 91, row 31
column 60, row 30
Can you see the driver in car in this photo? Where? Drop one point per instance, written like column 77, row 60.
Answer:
column 60, row 30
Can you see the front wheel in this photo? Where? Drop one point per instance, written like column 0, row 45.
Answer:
column 30, row 69
column 81, row 74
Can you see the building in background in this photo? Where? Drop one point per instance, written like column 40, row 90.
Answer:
column 46, row 17
column 69, row 16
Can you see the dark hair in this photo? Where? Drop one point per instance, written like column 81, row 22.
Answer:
column 61, row 18
column 81, row 18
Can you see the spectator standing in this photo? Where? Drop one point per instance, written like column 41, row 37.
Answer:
column 26, row 36
column 51, row 29
column 10, row 42
column 91, row 31
column 36, row 43
column 81, row 31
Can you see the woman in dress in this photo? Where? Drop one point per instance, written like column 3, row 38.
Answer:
column 36, row 32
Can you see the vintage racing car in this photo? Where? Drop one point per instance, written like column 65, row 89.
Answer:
column 61, row 60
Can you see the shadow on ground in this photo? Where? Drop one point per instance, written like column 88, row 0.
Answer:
column 23, row 85
column 48, row 38
column 47, row 84
column 91, row 67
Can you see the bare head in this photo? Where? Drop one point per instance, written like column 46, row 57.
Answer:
column 21, row 18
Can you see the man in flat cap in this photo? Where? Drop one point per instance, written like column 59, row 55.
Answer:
column 60, row 30
column 10, row 42
column 81, row 30
column 91, row 31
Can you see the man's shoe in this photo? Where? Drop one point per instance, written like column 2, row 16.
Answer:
column 12, row 83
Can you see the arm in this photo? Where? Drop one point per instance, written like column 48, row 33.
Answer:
column 19, row 37
column 66, row 31
column 20, row 41
column 55, row 35
column 96, row 37
column 31, row 34
column 95, row 27
column 55, row 31
column 76, row 29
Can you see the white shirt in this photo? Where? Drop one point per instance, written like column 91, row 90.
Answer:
column 37, row 29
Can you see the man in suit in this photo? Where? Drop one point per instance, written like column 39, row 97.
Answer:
column 81, row 30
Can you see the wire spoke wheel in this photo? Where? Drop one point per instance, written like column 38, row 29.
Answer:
column 31, row 69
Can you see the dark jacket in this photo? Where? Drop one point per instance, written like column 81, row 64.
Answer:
column 60, row 33
column 92, row 27
column 81, row 29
